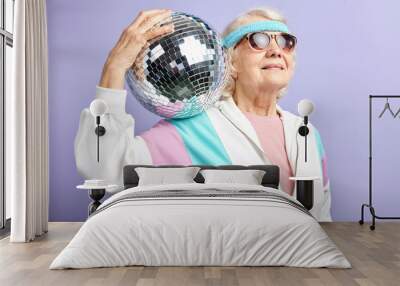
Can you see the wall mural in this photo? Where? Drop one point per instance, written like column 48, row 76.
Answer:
column 218, row 95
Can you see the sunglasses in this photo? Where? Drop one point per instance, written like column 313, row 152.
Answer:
column 259, row 41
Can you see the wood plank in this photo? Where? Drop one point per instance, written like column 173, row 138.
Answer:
column 374, row 255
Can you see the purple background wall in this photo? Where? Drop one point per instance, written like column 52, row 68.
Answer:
column 347, row 50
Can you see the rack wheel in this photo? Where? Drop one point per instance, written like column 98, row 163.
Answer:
column 361, row 222
column 372, row 227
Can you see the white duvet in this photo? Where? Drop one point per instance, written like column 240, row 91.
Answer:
column 182, row 231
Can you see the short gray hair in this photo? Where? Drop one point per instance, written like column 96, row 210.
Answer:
column 267, row 13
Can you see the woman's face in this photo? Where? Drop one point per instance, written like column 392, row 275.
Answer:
column 251, row 66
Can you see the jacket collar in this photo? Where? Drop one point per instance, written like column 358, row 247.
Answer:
column 291, row 123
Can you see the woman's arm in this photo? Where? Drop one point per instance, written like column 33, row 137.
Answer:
column 118, row 146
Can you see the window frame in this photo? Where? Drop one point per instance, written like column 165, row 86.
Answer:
column 6, row 39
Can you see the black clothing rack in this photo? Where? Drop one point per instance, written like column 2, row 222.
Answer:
column 369, row 205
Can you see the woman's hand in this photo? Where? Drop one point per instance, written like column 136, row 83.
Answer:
column 124, row 54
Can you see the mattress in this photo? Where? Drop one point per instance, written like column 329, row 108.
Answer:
column 201, row 225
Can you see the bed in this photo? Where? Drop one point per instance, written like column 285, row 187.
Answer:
column 201, row 224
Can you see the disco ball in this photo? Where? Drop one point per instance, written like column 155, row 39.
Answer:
column 180, row 74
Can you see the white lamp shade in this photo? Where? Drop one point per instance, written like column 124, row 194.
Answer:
column 305, row 107
column 98, row 107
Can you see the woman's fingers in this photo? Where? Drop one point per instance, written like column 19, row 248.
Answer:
column 146, row 22
column 152, row 21
column 153, row 33
column 144, row 15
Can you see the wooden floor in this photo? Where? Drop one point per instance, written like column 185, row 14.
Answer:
column 374, row 255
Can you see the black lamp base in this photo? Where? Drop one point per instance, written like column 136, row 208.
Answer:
column 305, row 193
column 303, row 130
column 96, row 195
column 100, row 130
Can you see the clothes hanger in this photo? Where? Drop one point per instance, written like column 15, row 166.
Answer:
column 397, row 113
column 387, row 107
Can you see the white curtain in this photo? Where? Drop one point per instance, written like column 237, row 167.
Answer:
column 27, row 173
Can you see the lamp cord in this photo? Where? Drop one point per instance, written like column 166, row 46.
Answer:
column 305, row 147
column 98, row 136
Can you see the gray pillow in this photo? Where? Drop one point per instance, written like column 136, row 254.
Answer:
column 162, row 176
column 248, row 177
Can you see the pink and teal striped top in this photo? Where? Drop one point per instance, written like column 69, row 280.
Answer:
column 194, row 141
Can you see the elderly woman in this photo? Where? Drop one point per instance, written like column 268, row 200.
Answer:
column 246, row 126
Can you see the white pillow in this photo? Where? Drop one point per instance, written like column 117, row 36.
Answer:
column 248, row 177
column 163, row 176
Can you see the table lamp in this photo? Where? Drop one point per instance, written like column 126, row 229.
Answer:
column 305, row 107
column 98, row 107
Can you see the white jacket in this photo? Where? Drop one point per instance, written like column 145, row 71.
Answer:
column 220, row 135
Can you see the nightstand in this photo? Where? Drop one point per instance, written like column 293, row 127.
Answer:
column 96, row 193
column 305, row 190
